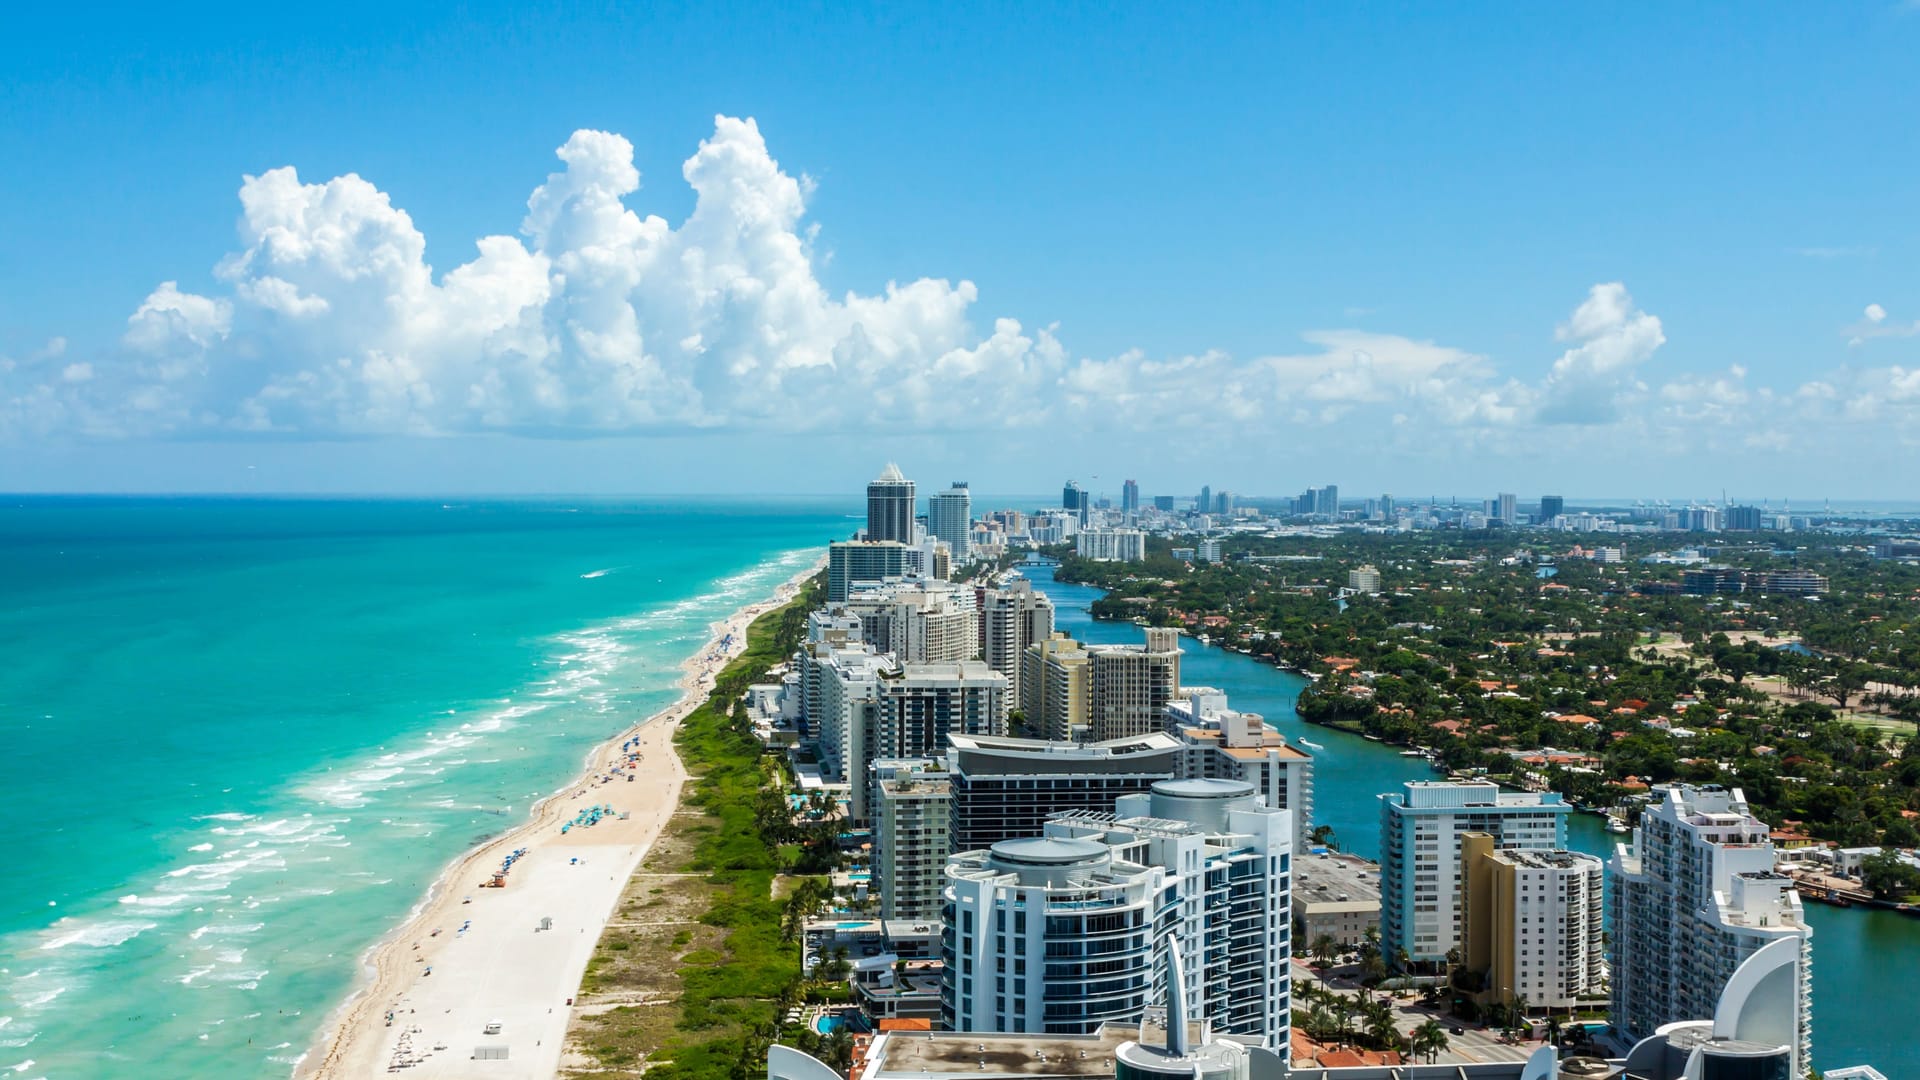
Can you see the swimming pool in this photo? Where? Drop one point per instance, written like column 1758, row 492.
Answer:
column 827, row 1025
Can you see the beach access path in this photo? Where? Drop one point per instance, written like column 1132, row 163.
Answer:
column 488, row 959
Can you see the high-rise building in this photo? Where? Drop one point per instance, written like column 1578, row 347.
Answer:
column 1128, row 686
column 855, row 562
column 1551, row 506
column 1076, row 500
column 1013, row 616
column 1204, row 504
column 1219, row 743
column 1328, row 500
column 1743, row 518
column 848, row 682
column 950, row 518
column 1111, row 545
column 1005, row 789
column 1364, row 579
column 1422, row 878
column 1690, row 899
column 1701, row 519
column 917, row 621
column 1207, row 551
column 1163, row 503
column 890, row 506
column 1055, row 674
column 1386, row 507
column 1129, row 498
column 911, row 814
column 1506, row 509
column 1223, row 504
column 1533, row 928
column 826, row 632
column 1060, row 933
column 921, row 704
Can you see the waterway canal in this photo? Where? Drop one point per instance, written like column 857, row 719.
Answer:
column 1864, row 962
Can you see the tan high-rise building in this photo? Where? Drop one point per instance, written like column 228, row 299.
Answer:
column 1533, row 924
column 1055, row 674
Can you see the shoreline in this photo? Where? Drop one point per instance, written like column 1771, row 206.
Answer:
column 359, row 1037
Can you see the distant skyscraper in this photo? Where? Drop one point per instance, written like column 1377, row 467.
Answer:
column 1386, row 507
column 1507, row 508
column 1073, row 498
column 1328, row 501
column 1742, row 518
column 1204, row 503
column 1129, row 497
column 1163, row 503
column 1551, row 506
column 950, row 517
column 890, row 507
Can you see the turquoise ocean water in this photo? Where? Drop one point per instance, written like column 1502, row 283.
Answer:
column 242, row 737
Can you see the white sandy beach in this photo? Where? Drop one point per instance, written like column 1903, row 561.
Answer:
column 501, row 967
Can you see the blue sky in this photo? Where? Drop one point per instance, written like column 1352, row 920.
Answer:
column 1426, row 248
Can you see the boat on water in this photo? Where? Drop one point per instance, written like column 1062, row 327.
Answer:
column 1413, row 753
column 1615, row 825
column 1310, row 745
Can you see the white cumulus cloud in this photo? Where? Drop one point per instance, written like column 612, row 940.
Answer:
column 595, row 318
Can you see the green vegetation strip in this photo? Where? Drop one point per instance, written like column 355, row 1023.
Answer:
column 691, row 976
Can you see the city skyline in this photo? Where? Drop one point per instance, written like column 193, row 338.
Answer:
column 1306, row 276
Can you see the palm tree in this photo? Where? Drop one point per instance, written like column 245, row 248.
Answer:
column 1430, row 1039
column 1321, row 1023
column 1347, row 1008
column 1379, row 1023
column 1325, row 951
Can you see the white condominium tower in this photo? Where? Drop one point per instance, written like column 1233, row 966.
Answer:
column 1691, row 898
column 950, row 517
column 1111, row 545
column 890, row 507
column 1129, row 685
column 1013, row 616
column 1060, row 933
column 1422, row 883
column 910, row 821
column 917, row 621
column 843, row 688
